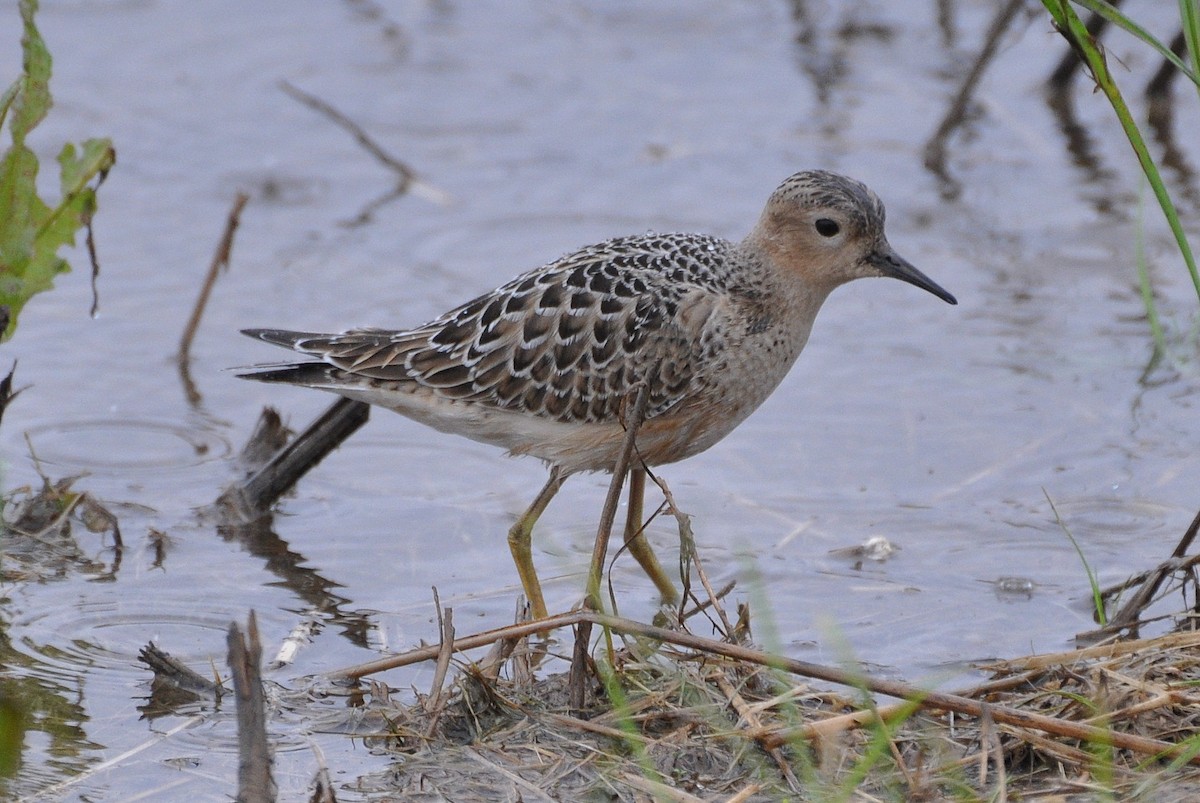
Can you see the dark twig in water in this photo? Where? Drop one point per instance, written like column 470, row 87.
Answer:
column 1160, row 115
column 7, row 394
column 255, row 495
column 170, row 670
column 956, row 114
column 1128, row 617
column 634, row 415
column 255, row 784
column 90, row 238
column 1159, row 86
column 220, row 261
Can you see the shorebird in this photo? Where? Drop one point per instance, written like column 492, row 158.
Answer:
column 543, row 364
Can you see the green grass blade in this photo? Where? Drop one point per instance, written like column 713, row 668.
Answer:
column 1114, row 15
column 1147, row 291
column 1189, row 16
column 1097, row 597
column 1067, row 20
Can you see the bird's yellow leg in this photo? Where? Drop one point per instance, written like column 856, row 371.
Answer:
column 639, row 545
column 520, row 543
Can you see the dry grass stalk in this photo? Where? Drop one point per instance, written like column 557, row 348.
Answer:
column 220, row 261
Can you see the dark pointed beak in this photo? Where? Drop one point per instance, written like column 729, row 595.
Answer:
column 889, row 263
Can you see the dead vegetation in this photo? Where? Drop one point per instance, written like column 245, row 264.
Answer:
column 662, row 722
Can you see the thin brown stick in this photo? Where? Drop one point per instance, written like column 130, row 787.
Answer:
column 688, row 543
column 90, row 237
column 823, row 729
column 1173, row 641
column 220, row 261
column 583, row 633
column 658, row 790
column 429, row 653
column 634, row 416
column 704, row 605
column 746, row 793
column 992, row 750
column 1130, row 613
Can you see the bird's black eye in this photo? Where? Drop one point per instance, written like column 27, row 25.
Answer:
column 827, row 227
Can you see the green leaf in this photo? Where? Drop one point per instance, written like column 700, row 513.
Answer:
column 7, row 98
column 32, row 101
column 23, row 210
column 31, row 233
column 78, row 199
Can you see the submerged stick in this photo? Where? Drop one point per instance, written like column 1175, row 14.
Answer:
column 255, row 495
column 1129, row 615
column 404, row 173
column 407, row 179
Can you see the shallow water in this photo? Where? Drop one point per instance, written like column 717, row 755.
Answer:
column 547, row 126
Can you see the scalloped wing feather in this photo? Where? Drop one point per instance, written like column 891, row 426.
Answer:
column 568, row 341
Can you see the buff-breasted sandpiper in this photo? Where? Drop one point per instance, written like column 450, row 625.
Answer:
column 543, row 364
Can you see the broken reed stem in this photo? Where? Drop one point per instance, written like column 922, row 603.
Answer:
column 687, row 545
column 220, row 260
column 446, row 628
column 255, row 784
column 1128, row 617
column 930, row 700
column 634, row 416
column 255, row 495
column 583, row 633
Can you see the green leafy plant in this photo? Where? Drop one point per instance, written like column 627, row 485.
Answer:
column 32, row 232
